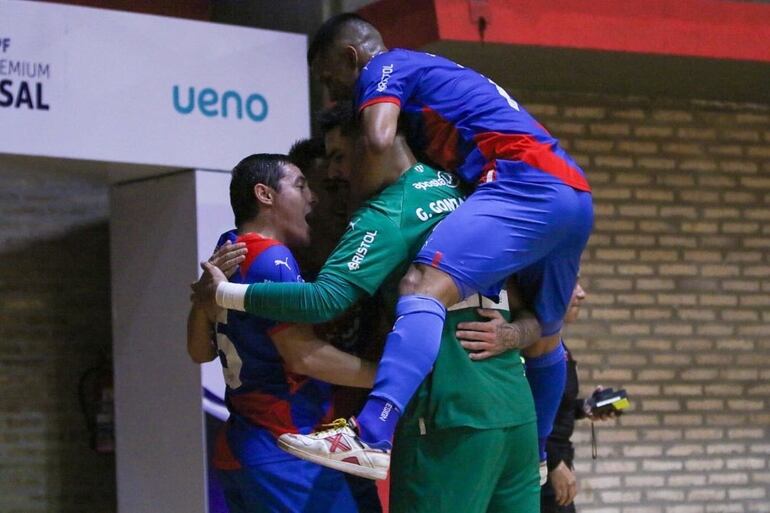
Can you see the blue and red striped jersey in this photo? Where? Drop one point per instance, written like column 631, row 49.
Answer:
column 264, row 399
column 463, row 121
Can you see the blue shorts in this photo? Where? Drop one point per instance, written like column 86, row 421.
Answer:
column 512, row 226
column 290, row 486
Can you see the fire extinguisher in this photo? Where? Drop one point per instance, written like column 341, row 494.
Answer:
column 96, row 396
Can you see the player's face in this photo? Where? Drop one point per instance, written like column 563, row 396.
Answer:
column 578, row 295
column 337, row 69
column 330, row 214
column 293, row 203
column 339, row 154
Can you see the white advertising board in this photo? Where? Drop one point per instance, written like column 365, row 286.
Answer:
column 111, row 86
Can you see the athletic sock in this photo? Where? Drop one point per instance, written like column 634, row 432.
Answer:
column 410, row 351
column 380, row 424
column 547, row 375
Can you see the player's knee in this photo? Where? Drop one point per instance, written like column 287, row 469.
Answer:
column 424, row 280
column 543, row 346
column 411, row 281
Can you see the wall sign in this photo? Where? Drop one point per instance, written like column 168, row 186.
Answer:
column 112, row 86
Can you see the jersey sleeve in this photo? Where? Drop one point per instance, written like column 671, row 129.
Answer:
column 369, row 251
column 230, row 236
column 389, row 77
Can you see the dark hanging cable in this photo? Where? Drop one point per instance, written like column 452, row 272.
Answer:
column 482, row 25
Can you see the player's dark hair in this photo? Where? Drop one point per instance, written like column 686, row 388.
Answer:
column 342, row 115
column 329, row 31
column 304, row 152
column 264, row 168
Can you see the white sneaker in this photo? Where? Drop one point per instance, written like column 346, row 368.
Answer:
column 339, row 448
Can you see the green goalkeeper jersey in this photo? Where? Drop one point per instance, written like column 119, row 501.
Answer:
column 375, row 252
column 460, row 392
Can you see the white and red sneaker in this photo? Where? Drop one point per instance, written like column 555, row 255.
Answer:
column 340, row 448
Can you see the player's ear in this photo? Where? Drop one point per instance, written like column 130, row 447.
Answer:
column 264, row 194
column 351, row 56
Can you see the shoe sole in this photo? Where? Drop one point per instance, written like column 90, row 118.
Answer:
column 342, row 466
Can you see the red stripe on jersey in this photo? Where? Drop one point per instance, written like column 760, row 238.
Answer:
column 256, row 245
column 279, row 328
column 525, row 148
column 443, row 138
column 437, row 256
column 265, row 410
column 223, row 457
column 381, row 99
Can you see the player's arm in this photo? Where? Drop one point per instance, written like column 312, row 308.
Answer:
column 200, row 336
column 341, row 283
column 304, row 353
column 201, row 319
column 496, row 335
column 312, row 303
column 382, row 89
column 288, row 301
column 379, row 124
column 377, row 147
column 564, row 483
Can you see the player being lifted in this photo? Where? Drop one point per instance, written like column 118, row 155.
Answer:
column 530, row 215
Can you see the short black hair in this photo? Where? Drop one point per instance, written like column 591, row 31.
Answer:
column 305, row 151
column 343, row 115
column 329, row 31
column 264, row 168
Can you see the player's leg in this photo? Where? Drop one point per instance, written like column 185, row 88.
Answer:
column 404, row 364
column 545, row 362
column 518, row 488
column 549, row 283
column 426, row 476
column 425, row 293
column 547, row 375
column 498, row 231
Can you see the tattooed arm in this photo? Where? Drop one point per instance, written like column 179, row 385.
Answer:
column 485, row 339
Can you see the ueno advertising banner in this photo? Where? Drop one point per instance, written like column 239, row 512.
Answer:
column 111, row 86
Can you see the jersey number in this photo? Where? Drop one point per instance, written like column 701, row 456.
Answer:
column 230, row 359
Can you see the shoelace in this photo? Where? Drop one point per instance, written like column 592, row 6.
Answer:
column 335, row 425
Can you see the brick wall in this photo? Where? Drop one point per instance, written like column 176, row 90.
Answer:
column 54, row 324
column 678, row 276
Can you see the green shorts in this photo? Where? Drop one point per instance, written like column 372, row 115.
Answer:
column 466, row 470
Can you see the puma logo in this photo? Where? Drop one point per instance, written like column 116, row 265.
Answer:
column 285, row 262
